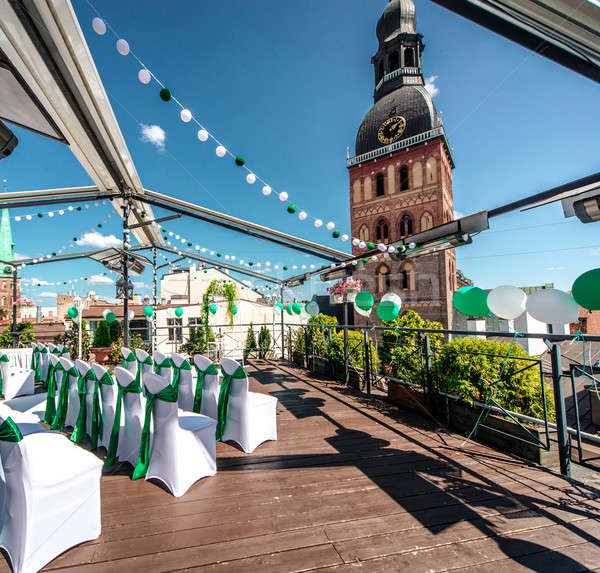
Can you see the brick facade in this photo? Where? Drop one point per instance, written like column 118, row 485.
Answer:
column 6, row 293
column 417, row 195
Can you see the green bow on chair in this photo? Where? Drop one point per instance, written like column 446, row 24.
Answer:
column 51, row 397
column 146, row 362
column 63, row 399
column 43, row 350
column 185, row 365
column 50, row 373
column 35, row 358
column 79, row 431
column 239, row 374
column 9, row 431
column 168, row 394
column 56, row 351
column 166, row 363
column 132, row 388
column 3, row 358
column 200, row 374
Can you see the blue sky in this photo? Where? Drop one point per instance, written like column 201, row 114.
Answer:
column 286, row 85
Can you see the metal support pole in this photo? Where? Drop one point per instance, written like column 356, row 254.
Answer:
column 80, row 340
column 306, row 362
column 282, row 330
column 126, row 210
column 428, row 373
column 14, row 308
column 153, row 323
column 561, row 419
column 367, row 362
column 346, row 373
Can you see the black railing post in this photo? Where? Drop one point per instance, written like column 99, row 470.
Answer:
column 428, row 372
column 561, row 419
column 306, row 362
column 367, row 362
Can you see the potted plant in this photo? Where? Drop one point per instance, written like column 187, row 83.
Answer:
column 344, row 290
column 264, row 341
column 102, row 343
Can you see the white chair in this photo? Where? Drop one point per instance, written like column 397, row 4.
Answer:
column 52, row 496
column 15, row 381
column 53, row 349
column 63, row 351
column 250, row 418
column 55, row 376
column 145, row 363
column 108, row 397
column 163, row 366
column 67, row 405
column 44, row 363
column 131, row 416
column 210, row 386
column 129, row 361
column 183, row 448
column 182, row 377
column 86, row 380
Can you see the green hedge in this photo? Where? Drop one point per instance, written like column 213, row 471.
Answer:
column 356, row 354
column 465, row 365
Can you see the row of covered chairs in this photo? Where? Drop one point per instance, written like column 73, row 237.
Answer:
column 40, row 358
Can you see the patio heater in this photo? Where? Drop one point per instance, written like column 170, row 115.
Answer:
column 80, row 305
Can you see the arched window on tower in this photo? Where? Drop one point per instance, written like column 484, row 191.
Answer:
column 380, row 185
column 383, row 279
column 380, row 70
column 407, row 277
column 426, row 221
column 381, row 231
column 431, row 170
column 406, row 226
column 363, row 233
column 393, row 62
column 409, row 58
column 403, row 178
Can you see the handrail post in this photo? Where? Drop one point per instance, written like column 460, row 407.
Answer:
column 305, row 328
column 428, row 373
column 561, row 419
column 367, row 362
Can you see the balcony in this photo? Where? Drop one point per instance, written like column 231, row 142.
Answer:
column 397, row 73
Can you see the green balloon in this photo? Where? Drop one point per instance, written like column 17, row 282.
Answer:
column 297, row 307
column 279, row 305
column 312, row 308
column 364, row 300
column 472, row 301
column 234, row 310
column 148, row 311
column 72, row 312
column 387, row 310
column 110, row 317
column 288, row 309
column 178, row 311
column 586, row 290
column 213, row 308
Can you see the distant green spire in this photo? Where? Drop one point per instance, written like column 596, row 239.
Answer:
column 6, row 241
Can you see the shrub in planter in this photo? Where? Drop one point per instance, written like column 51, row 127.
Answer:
column 466, row 375
column 356, row 356
column 198, row 341
column 318, row 335
column 264, row 341
column 251, row 345
column 135, row 341
column 102, row 337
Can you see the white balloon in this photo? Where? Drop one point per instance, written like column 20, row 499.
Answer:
column 144, row 76
column 355, row 242
column 361, row 311
column 362, row 245
column 202, row 134
column 99, row 26
column 131, row 315
column 382, row 247
column 250, row 178
column 552, row 306
column 122, row 47
column 344, row 238
column 220, row 151
column 507, row 302
column 105, row 312
column 394, row 298
column 185, row 115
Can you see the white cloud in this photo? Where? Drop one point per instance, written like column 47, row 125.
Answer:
column 594, row 251
column 431, row 87
column 458, row 214
column 47, row 294
column 36, row 282
column 19, row 256
column 99, row 241
column 140, row 284
column 556, row 268
column 153, row 134
column 100, row 280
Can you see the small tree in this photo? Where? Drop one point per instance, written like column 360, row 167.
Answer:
column 116, row 331
column 264, row 341
column 251, row 345
column 198, row 341
column 102, row 337
column 24, row 334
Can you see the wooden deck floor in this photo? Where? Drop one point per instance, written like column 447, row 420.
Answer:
column 347, row 487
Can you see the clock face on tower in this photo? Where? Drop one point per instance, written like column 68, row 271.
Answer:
column 391, row 129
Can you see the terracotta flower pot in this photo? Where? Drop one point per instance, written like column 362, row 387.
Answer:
column 101, row 354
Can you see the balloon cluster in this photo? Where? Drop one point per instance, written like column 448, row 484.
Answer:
column 387, row 309
column 110, row 316
column 311, row 308
column 550, row 305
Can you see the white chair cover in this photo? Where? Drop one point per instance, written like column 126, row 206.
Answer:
column 182, row 375
column 52, row 496
column 15, row 381
column 44, row 362
column 132, row 419
column 64, row 351
column 251, row 417
column 73, row 395
column 145, row 362
column 163, row 365
column 210, row 386
column 108, row 394
column 129, row 360
column 53, row 349
column 83, row 368
column 183, row 448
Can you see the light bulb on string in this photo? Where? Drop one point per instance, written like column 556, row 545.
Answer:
column 202, row 134
column 220, row 151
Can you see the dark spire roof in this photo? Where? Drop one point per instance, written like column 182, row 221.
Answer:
column 398, row 17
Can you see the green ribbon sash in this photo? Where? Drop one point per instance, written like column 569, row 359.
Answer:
column 35, row 351
column 51, row 397
column 50, row 374
column 56, row 351
column 185, row 365
column 3, row 358
column 168, row 394
column 239, row 374
column 130, row 358
column 63, row 399
column 79, row 431
column 166, row 363
column 113, row 443
column 9, row 431
column 138, row 376
column 200, row 374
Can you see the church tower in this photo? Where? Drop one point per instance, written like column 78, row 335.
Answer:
column 401, row 174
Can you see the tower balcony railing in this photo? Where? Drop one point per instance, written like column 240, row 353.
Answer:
column 408, row 142
column 399, row 72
